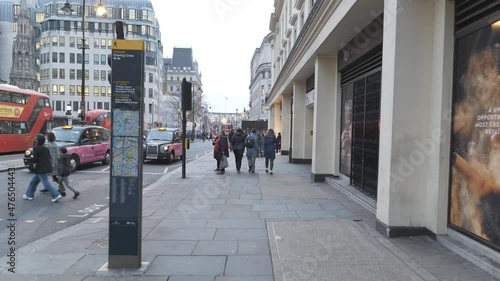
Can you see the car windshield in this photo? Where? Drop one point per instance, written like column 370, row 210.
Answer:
column 160, row 135
column 67, row 135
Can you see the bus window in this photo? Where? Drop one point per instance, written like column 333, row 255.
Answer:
column 5, row 127
column 4, row 96
column 47, row 102
column 40, row 103
column 19, row 98
column 18, row 127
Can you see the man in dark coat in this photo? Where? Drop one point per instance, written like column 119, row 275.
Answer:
column 43, row 166
column 238, row 147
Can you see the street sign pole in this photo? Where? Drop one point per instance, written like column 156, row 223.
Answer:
column 125, row 193
column 186, row 105
column 184, row 139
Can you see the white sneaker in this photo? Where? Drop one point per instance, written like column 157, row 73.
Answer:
column 27, row 198
column 57, row 198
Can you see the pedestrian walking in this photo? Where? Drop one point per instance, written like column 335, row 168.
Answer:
column 64, row 170
column 216, row 149
column 42, row 166
column 269, row 144
column 251, row 143
column 238, row 147
column 54, row 153
column 221, row 152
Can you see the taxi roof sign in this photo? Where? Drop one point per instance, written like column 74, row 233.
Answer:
column 162, row 129
column 67, row 127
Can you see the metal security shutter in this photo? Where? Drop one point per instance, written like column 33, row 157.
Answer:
column 365, row 75
column 470, row 13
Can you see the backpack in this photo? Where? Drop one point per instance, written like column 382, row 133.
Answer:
column 249, row 142
column 66, row 169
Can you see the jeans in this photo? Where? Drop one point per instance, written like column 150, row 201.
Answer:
column 37, row 178
column 251, row 164
column 267, row 163
column 238, row 155
column 65, row 180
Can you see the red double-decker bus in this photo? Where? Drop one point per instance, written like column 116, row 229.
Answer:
column 99, row 117
column 23, row 115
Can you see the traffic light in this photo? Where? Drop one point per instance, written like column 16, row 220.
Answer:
column 186, row 95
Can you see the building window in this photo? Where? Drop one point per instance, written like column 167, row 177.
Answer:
column 58, row 104
column 72, row 41
column 72, row 91
column 62, row 41
column 96, row 43
column 103, row 91
column 150, row 93
column 79, row 74
column 106, row 105
column 78, row 58
column 39, row 17
column 109, row 91
column 103, row 59
column 103, row 75
column 62, row 57
column 87, row 74
column 109, row 43
column 62, row 73
column 99, row 105
column 62, row 89
column 103, row 43
column 86, row 90
column 72, row 74
column 96, row 59
column 132, row 14
column 96, row 90
column 54, row 41
column 54, row 89
column 150, row 77
column 72, row 58
column 54, row 56
column 96, row 75
column 54, row 73
column 86, row 58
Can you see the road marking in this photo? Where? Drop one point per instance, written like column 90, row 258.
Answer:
column 29, row 221
column 166, row 170
column 61, row 222
column 78, row 216
column 95, row 220
column 105, row 169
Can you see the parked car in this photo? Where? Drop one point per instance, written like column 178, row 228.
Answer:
column 163, row 144
column 85, row 144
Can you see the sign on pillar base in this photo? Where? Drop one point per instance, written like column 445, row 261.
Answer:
column 125, row 207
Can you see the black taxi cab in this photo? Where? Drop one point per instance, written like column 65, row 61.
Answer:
column 163, row 144
column 85, row 144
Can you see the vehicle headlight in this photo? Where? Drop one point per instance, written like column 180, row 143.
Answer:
column 164, row 148
column 27, row 153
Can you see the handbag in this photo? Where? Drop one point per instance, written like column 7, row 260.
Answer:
column 223, row 162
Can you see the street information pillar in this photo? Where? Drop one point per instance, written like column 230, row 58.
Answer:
column 186, row 105
column 125, row 196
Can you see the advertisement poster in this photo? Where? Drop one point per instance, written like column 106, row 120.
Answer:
column 346, row 136
column 475, row 173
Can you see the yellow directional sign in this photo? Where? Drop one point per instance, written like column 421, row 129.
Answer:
column 135, row 45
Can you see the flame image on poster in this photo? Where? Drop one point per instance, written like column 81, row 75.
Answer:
column 475, row 174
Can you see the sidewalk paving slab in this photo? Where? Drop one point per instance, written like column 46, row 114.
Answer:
column 230, row 227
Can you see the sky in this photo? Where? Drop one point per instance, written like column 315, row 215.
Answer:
column 223, row 35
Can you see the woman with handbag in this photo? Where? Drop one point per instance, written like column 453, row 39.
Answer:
column 221, row 152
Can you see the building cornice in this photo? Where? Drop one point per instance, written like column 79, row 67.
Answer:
column 262, row 67
column 318, row 17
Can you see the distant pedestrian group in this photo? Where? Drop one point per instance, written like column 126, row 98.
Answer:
column 256, row 145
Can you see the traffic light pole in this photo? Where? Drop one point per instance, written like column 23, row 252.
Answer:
column 184, row 139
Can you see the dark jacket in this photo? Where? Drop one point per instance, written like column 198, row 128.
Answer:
column 64, row 165
column 238, row 141
column 41, row 159
column 221, row 147
column 269, row 144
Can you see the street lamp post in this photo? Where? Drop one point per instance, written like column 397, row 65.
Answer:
column 100, row 11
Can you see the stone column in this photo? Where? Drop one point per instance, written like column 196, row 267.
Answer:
column 270, row 121
column 277, row 117
column 326, row 103
column 298, row 122
column 417, row 76
column 285, row 124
